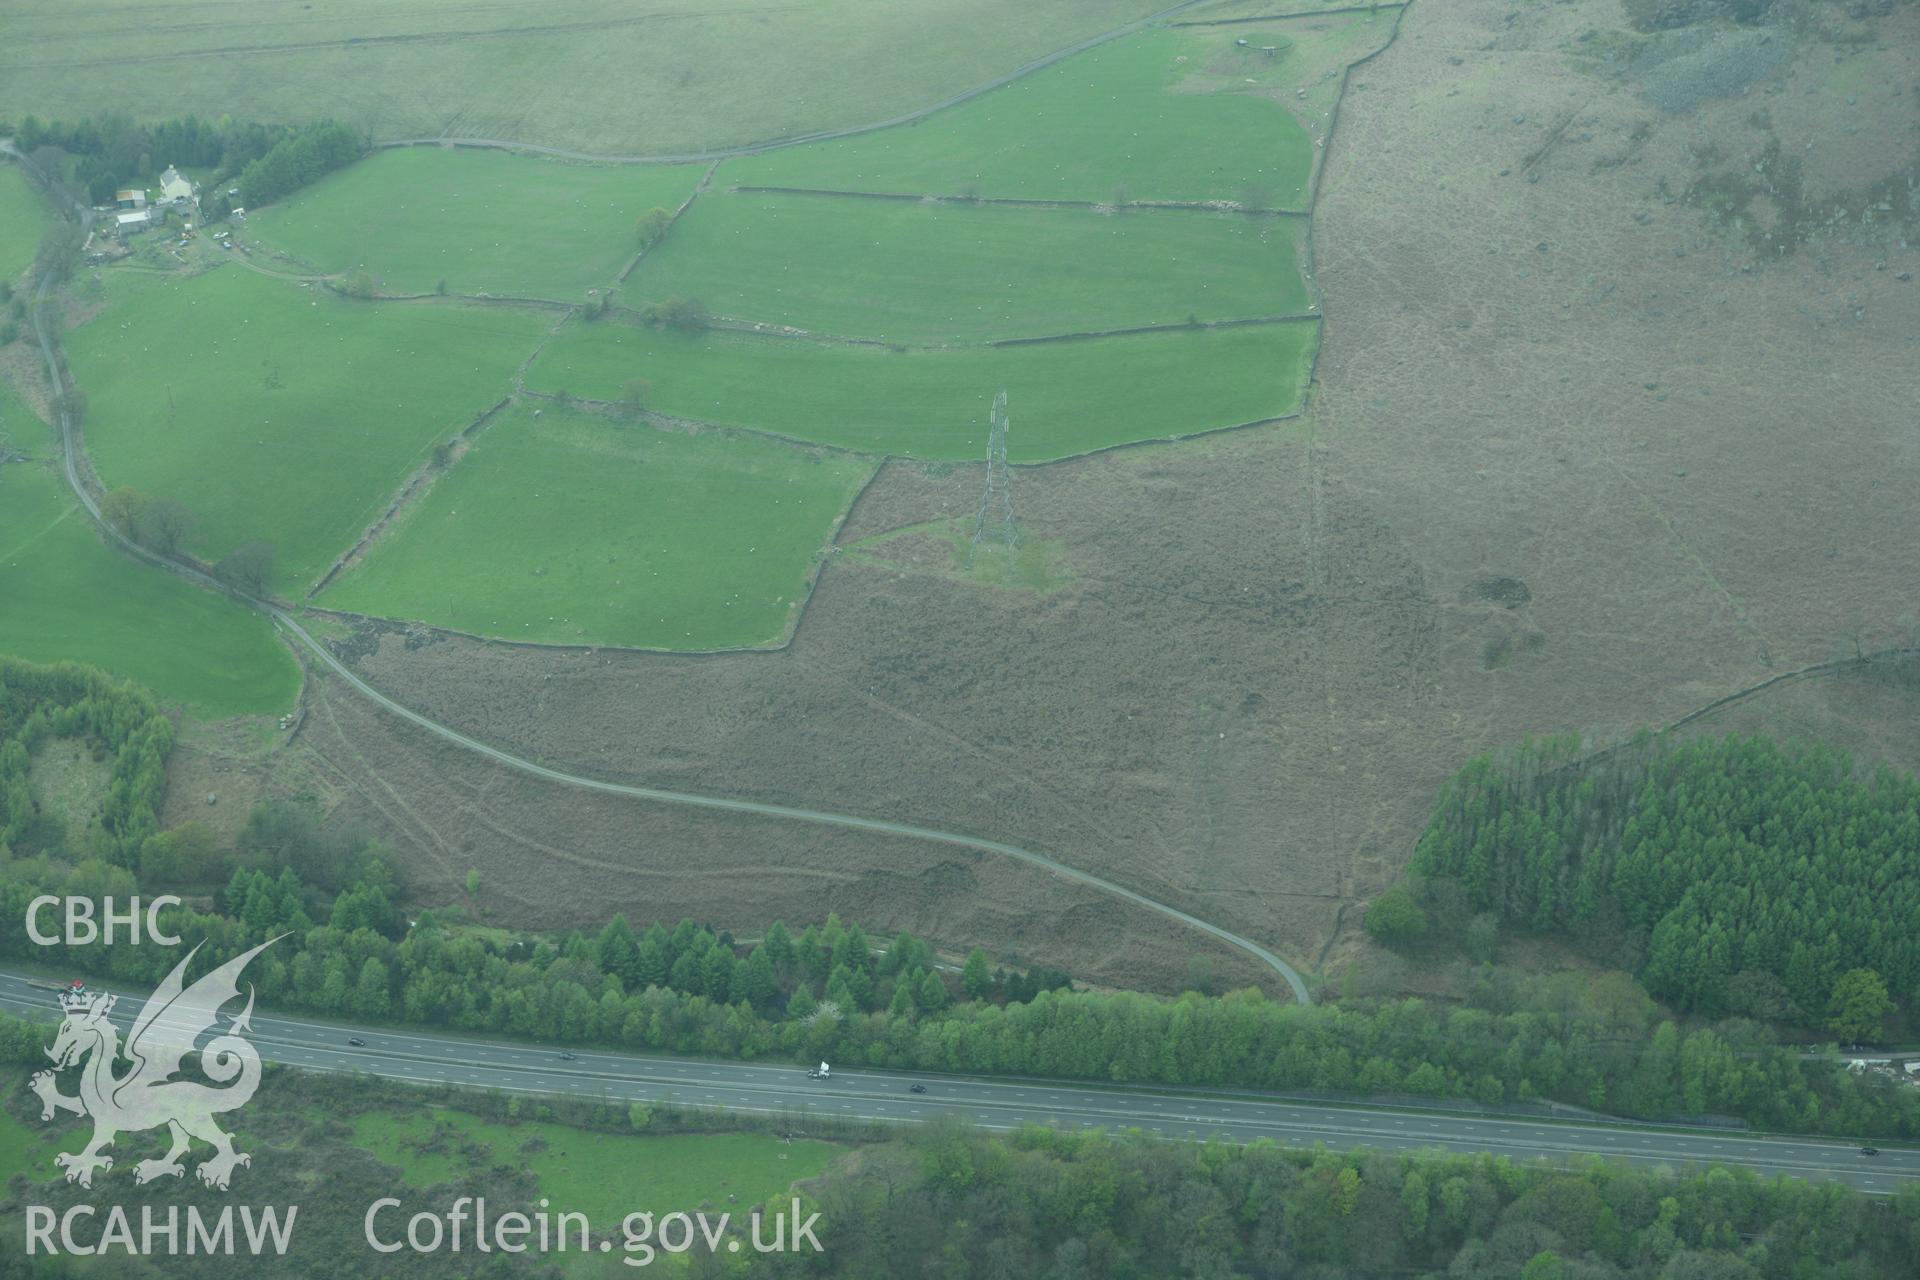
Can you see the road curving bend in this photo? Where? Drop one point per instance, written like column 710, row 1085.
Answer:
column 292, row 628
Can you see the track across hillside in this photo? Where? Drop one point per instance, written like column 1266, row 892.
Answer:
column 292, row 627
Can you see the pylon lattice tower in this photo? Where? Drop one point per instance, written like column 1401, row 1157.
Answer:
column 996, row 504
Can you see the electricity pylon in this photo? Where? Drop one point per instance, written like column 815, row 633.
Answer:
column 996, row 504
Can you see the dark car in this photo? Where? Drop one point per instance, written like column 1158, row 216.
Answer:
column 916, row 1088
column 569, row 1057
column 356, row 1042
column 1869, row 1151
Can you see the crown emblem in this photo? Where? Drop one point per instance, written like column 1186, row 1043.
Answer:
column 77, row 998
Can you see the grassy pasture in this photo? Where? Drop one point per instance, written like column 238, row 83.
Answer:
column 571, row 528
column 65, row 594
column 1243, row 10
column 1066, row 398
column 21, row 221
column 924, row 273
column 606, row 76
column 1112, row 121
column 483, row 221
column 278, row 411
column 20, row 427
column 603, row 1175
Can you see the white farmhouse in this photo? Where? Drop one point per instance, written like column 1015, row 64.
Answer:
column 173, row 186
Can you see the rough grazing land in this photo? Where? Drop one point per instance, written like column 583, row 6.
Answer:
column 607, row 76
column 1271, row 646
column 572, row 528
column 282, row 412
column 477, row 221
column 551, row 857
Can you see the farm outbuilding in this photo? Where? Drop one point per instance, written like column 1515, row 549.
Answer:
column 131, row 198
column 136, row 220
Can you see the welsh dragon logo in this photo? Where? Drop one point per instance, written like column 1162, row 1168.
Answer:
column 147, row 1096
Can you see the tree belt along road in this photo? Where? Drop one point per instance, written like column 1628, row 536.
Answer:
column 866, row 1095
column 291, row 627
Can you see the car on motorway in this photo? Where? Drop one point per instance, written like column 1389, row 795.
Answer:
column 1869, row 1151
column 916, row 1088
column 569, row 1057
column 356, row 1042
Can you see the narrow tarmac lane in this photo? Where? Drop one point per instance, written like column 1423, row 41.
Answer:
column 290, row 625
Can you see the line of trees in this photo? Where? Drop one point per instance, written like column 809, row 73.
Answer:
column 951, row 1202
column 830, row 991
column 827, row 992
column 118, row 151
column 1747, row 876
column 944, row 1200
column 296, row 161
column 164, row 525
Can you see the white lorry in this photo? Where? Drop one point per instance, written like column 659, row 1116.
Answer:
column 820, row 1072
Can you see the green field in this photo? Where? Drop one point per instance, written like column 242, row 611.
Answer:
column 22, row 218
column 283, row 412
column 571, row 528
column 1241, row 10
column 607, row 76
column 929, row 273
column 603, row 1175
column 19, row 427
column 1120, row 121
column 482, row 221
column 1066, row 398
column 278, row 411
column 65, row 595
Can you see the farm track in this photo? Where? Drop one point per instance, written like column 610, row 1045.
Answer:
column 290, row 626
column 293, row 628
